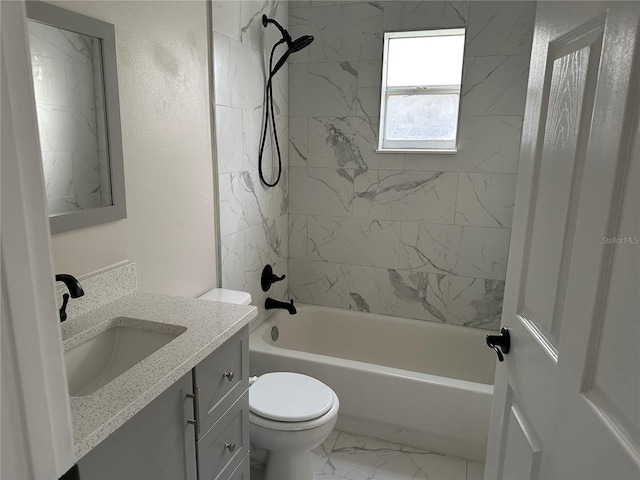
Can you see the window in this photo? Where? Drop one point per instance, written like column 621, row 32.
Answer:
column 421, row 77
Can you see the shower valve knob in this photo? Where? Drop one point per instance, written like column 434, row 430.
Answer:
column 268, row 278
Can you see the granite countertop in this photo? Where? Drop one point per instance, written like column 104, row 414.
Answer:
column 208, row 325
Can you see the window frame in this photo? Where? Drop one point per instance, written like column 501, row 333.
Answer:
column 417, row 146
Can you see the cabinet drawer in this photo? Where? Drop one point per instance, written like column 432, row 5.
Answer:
column 221, row 378
column 226, row 443
column 241, row 472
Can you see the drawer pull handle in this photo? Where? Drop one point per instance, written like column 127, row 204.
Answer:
column 196, row 409
column 230, row 446
column 228, row 375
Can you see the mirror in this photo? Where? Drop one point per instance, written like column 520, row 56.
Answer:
column 76, row 91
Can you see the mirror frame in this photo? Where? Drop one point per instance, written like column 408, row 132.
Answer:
column 58, row 17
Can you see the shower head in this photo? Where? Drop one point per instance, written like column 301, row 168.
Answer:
column 292, row 45
column 300, row 43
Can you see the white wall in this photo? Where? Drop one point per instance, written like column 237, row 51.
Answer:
column 161, row 50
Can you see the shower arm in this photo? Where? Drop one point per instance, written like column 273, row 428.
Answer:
column 285, row 35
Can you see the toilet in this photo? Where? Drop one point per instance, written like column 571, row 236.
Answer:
column 290, row 414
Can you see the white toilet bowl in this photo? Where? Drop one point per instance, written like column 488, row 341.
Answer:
column 290, row 415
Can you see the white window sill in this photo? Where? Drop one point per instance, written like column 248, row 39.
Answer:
column 442, row 151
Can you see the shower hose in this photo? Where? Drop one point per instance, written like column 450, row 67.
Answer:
column 269, row 114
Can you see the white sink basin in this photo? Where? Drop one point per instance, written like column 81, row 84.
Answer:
column 111, row 349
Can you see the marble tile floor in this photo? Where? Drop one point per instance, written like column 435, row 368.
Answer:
column 347, row 456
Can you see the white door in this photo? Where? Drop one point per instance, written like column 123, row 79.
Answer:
column 567, row 396
column 36, row 436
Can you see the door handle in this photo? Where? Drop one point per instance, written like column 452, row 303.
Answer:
column 501, row 343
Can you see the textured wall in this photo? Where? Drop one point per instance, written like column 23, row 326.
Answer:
column 415, row 235
column 253, row 218
column 161, row 50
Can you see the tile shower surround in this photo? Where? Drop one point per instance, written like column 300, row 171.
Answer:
column 253, row 219
column 414, row 235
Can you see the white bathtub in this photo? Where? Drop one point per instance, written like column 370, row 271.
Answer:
column 409, row 381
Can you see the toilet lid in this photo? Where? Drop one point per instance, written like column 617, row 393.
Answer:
column 289, row 397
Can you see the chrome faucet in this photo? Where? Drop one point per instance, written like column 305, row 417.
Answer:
column 75, row 289
column 270, row 304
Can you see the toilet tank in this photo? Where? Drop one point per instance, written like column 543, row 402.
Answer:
column 227, row 296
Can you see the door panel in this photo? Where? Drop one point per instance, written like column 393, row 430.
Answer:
column 614, row 392
column 573, row 65
column 523, row 452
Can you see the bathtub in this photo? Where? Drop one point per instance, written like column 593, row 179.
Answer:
column 408, row 381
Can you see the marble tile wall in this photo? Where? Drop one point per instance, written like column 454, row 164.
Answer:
column 71, row 122
column 254, row 220
column 413, row 235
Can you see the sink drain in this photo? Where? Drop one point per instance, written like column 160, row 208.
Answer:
column 275, row 333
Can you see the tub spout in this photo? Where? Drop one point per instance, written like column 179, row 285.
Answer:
column 270, row 304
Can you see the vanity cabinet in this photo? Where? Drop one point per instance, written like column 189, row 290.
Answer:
column 156, row 443
column 197, row 429
column 221, row 385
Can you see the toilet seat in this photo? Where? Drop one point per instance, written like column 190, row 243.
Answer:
column 291, row 401
column 296, row 426
column 289, row 397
